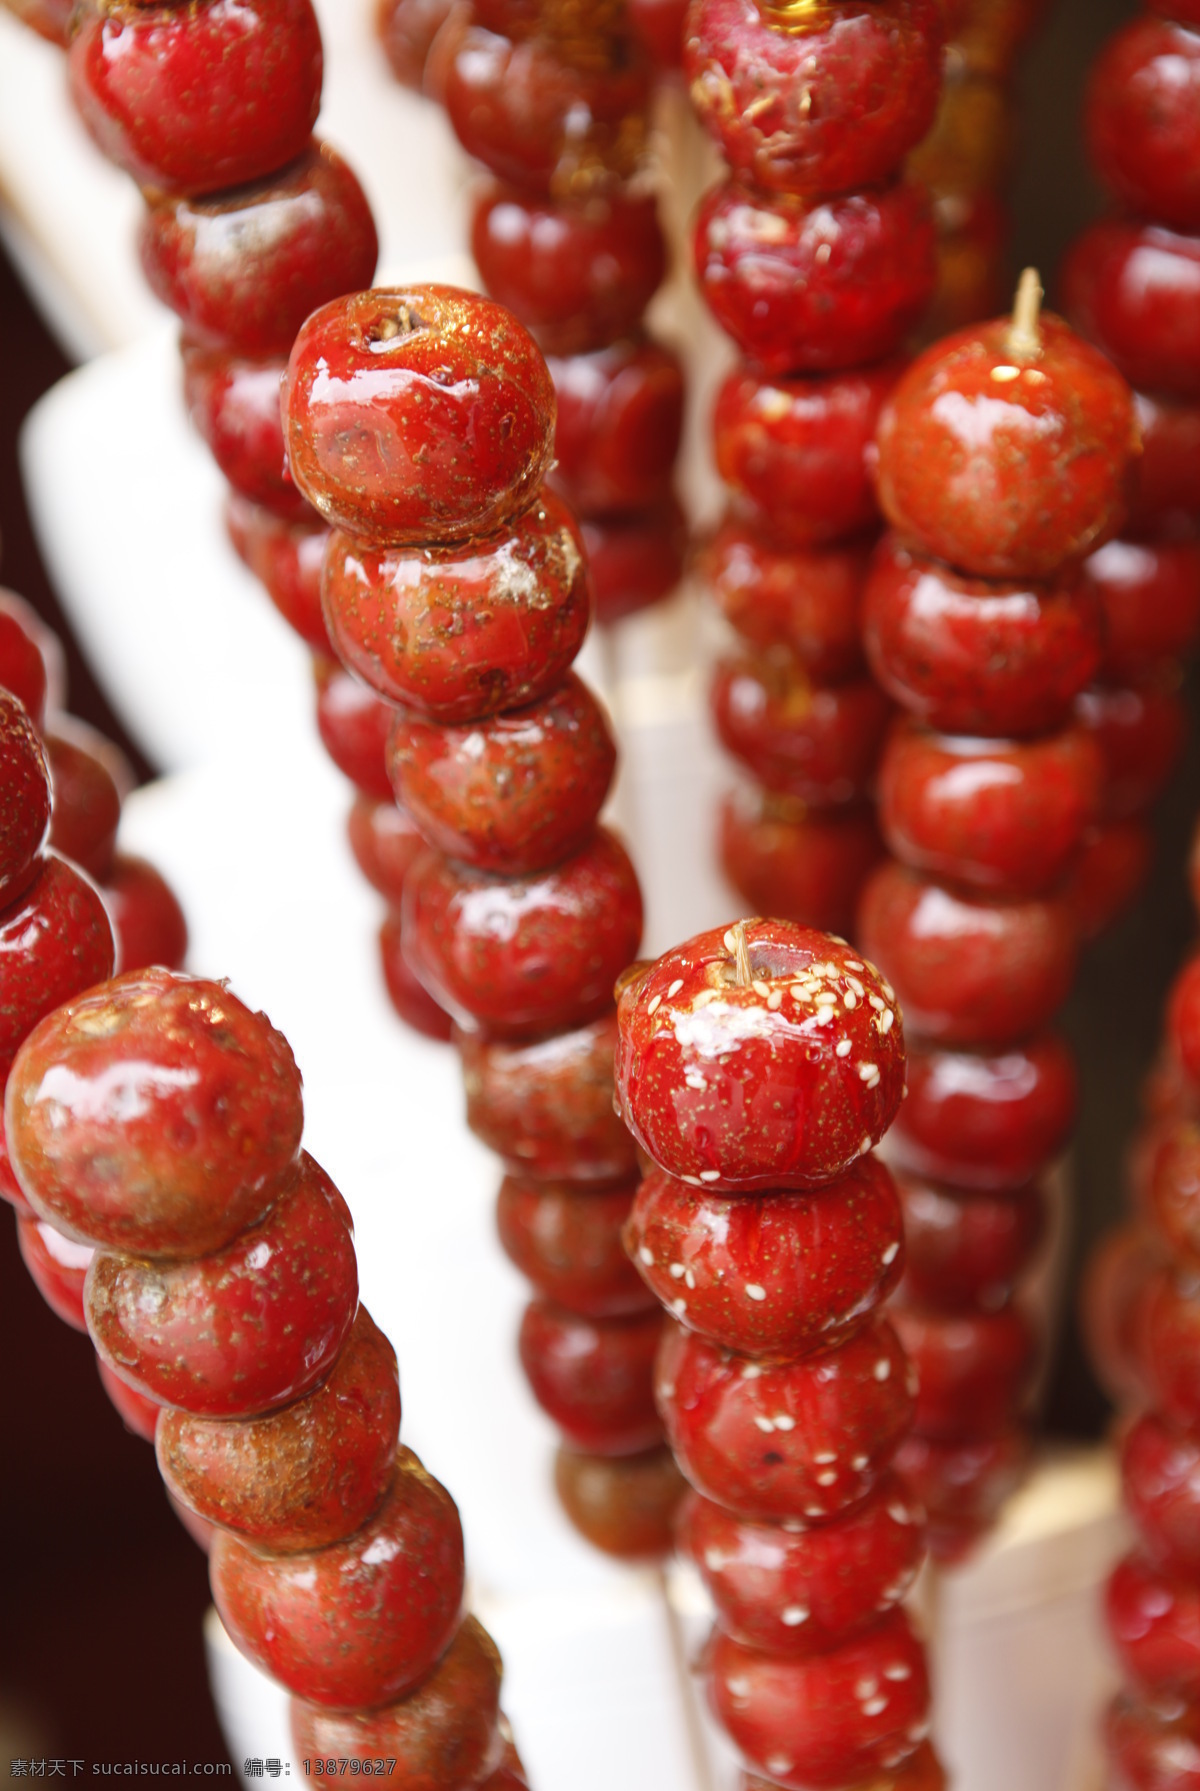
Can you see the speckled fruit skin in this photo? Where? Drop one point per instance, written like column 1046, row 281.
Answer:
column 138, row 1414
column 578, row 275
column 967, row 1248
column 86, row 805
column 525, row 955
column 1153, row 1750
column 385, row 843
column 243, row 269
column 966, row 460
column 1141, row 729
column 1160, row 1482
column 806, row 1589
column 624, row 1505
column 987, row 1120
column 233, row 403
column 445, row 1731
column 1142, row 120
column 808, row 286
column 843, row 1411
column 594, row 1376
column 1149, row 596
column 1003, row 816
column 362, row 1621
column 1166, row 484
column 194, row 101
column 565, row 1237
column 973, row 1368
column 803, row 598
column 546, row 1107
column 817, row 742
column 22, row 668
column 244, row 1329
column 814, row 100
column 55, row 941
column 417, row 415
column 354, row 725
column 57, row 1266
column 741, row 1088
column 147, row 921
column 409, row 998
column 286, row 559
column 968, row 970
column 963, row 1484
column 1153, row 1620
column 973, row 656
column 25, row 793
column 794, row 451
column 1132, row 289
column 301, row 1477
column 808, row 1723
column 157, row 1115
column 803, row 865
column 634, row 560
column 819, row 1263
column 620, row 420
column 457, row 633
column 514, row 793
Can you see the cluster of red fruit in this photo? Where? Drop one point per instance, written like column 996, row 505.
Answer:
column 757, row 1068
column 818, row 259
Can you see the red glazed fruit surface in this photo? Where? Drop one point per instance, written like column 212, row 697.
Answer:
column 967, row 1249
column 86, row 805
column 973, row 656
column 806, row 599
column 623, row 1504
column 962, row 1484
column 805, row 1589
column 620, row 418
column 58, row 1266
column 1183, row 1019
column 1109, row 875
column 1166, row 1323
column 1140, row 729
column 772, row 1440
column 193, row 101
column 411, row 1000
column 1160, row 1481
column 243, row 269
column 1005, row 816
column 1153, row 1750
column 55, row 941
column 977, row 433
column 815, row 287
column 593, row 1377
column 363, row 1620
column 514, row 793
column 157, row 1115
column 794, row 451
column 24, row 799
column 821, row 101
column 524, row 955
column 967, row 970
column 1133, row 290
column 22, row 668
column 445, row 1732
column 422, row 415
column 234, row 404
column 354, row 726
column 979, row 1119
column 1154, row 1623
column 803, row 866
column 385, row 844
column 808, row 1723
column 973, row 1368
column 1172, row 1192
column 146, row 918
column 285, row 558
column 577, row 275
column 783, row 1082
column 1166, row 484
column 1117, row 1274
column 10, row 1188
column 138, row 1414
column 301, row 1477
column 816, row 742
column 565, row 1237
column 406, row 29
column 546, row 1107
column 1150, row 599
column 244, row 1329
column 1143, row 120
column 462, row 632
column 776, row 1276
column 635, row 560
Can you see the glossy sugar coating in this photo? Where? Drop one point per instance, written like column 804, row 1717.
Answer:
column 1109, row 874
column 802, row 1589
column 411, row 1000
column 624, row 1505
column 1143, row 120
column 1183, row 1019
column 362, row 1621
column 963, row 1484
column 1006, row 463
column 817, row 742
column 780, row 1082
column 1165, row 1327
column 301, row 1477
column 1153, row 1621
column 57, row 1265
column 777, row 1275
column 56, row 940
column 354, row 725
column 966, row 1248
column 524, row 955
column 973, row 1368
column 157, row 1115
column 1160, row 1483
column 806, row 1722
column 193, row 99
column 10, row 1188
column 620, row 422
column 1141, row 729
column 460, row 632
column 815, row 286
column 784, row 858
column 417, row 415
column 149, row 925
column 1132, row 289
column 1166, row 482
column 775, row 1441
column 803, row 598
column 286, row 558
column 514, row 793
column 406, row 29
column 24, row 799
column 86, row 806
column 22, row 668
column 244, row 1328
column 546, row 1106
column 593, row 1376
column 635, row 559
column 243, row 269
column 565, row 1237
column 233, row 402
column 446, row 1731
column 138, row 1414
column 1149, row 595
column 385, row 844
column 814, row 99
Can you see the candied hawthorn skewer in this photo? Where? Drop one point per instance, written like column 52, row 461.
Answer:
column 421, row 424
column 1002, row 457
column 758, row 1067
column 818, row 258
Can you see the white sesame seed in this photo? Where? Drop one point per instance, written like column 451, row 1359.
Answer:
column 654, row 1005
column 866, row 1688
column 875, row 1707
column 898, row 1671
column 876, row 1002
column 856, row 986
column 645, row 1255
column 679, row 1307
column 859, row 1462
column 826, row 1455
column 714, row 1560
column 729, row 942
column 890, row 1254
column 850, row 998
column 823, row 1016
column 675, row 988
column 882, row 1369
column 843, row 1048
column 793, row 1526
column 667, row 1390
column 855, row 964
column 899, row 1514
column 781, row 1762
column 888, row 989
column 868, row 1071
column 754, row 1291
column 793, row 1615
column 689, row 1280
column 828, row 1478
column 767, row 1424
column 676, row 1271
column 919, row 1731
column 710, row 1175
column 761, row 989
column 692, row 1080
column 784, row 1421
column 775, row 1000
column 864, row 1147
column 886, row 1019
column 738, row 1688
column 693, row 1181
